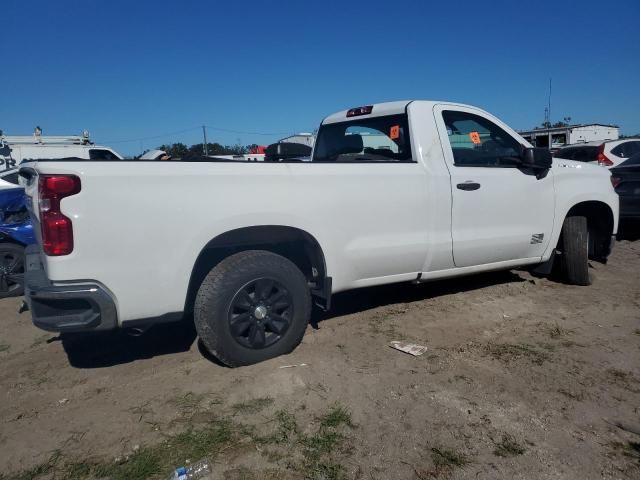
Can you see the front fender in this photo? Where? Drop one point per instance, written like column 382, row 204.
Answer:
column 576, row 183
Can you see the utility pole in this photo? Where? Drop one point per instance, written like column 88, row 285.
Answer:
column 204, row 134
column 549, row 116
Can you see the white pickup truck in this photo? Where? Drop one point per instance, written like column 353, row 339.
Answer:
column 409, row 191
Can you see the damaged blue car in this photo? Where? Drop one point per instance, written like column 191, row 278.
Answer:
column 16, row 232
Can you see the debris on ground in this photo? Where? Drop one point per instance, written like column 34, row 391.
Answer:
column 410, row 348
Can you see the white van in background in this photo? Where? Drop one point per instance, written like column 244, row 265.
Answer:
column 15, row 149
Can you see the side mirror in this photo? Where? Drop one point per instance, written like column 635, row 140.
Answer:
column 539, row 158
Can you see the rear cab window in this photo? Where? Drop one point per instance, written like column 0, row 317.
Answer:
column 365, row 139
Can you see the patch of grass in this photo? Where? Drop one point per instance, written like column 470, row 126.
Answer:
column 325, row 471
column 4, row 347
column 320, row 448
column 508, row 447
column 557, row 331
column 286, row 428
column 507, row 352
column 254, row 405
column 171, row 453
column 143, row 464
column 445, row 460
column 287, row 425
column 335, row 417
column 314, row 455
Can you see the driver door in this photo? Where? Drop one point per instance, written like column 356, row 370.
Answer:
column 500, row 212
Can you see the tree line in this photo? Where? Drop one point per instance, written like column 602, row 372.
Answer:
column 180, row 150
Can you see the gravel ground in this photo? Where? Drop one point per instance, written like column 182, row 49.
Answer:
column 524, row 377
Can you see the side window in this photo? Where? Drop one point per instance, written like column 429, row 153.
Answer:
column 617, row 151
column 96, row 154
column 478, row 142
column 626, row 149
column 634, row 147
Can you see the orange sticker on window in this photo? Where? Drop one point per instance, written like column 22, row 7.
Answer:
column 475, row 138
column 395, row 132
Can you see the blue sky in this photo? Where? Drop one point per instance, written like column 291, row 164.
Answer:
column 129, row 70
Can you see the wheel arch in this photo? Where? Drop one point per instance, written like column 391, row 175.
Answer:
column 295, row 244
column 600, row 223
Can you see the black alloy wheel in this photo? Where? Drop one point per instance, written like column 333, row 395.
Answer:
column 260, row 313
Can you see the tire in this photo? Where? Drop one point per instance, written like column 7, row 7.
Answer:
column 575, row 251
column 252, row 306
column 11, row 270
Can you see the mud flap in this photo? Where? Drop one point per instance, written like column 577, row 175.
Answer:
column 545, row 268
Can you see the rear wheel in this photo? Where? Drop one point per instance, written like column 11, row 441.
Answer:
column 11, row 270
column 252, row 306
column 575, row 251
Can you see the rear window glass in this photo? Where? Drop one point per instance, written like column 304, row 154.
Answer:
column 378, row 139
column 96, row 154
column 580, row 154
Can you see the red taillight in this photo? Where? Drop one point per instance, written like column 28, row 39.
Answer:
column 615, row 181
column 57, row 229
column 602, row 158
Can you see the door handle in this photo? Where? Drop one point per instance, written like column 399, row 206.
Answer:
column 468, row 186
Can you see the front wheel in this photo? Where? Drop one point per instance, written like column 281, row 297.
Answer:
column 252, row 306
column 11, row 270
column 575, row 251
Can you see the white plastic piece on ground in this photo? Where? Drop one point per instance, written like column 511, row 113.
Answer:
column 410, row 348
column 292, row 366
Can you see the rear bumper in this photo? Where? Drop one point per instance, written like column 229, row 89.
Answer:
column 72, row 307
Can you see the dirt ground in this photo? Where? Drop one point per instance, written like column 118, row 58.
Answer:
column 524, row 377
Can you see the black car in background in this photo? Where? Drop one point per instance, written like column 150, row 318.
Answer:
column 579, row 153
column 625, row 178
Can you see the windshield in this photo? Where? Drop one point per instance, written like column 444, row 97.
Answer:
column 378, row 139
